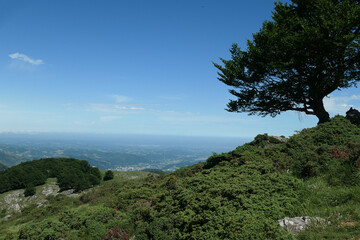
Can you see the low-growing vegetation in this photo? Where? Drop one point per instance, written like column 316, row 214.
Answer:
column 236, row 195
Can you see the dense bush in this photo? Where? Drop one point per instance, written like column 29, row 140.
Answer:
column 327, row 149
column 44, row 230
column 93, row 223
column 108, row 175
column 228, row 201
column 29, row 190
column 330, row 149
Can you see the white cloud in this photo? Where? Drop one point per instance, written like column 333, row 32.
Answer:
column 350, row 98
column 121, row 99
column 24, row 58
column 339, row 105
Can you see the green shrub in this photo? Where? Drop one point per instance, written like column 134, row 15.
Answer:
column 44, row 230
column 108, row 175
column 29, row 190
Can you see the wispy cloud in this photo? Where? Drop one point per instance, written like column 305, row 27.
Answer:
column 112, row 108
column 109, row 118
column 121, row 105
column 121, row 99
column 25, row 58
column 339, row 105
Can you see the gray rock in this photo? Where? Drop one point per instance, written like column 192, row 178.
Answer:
column 297, row 224
column 353, row 116
column 280, row 138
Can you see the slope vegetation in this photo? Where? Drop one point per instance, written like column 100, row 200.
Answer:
column 236, row 195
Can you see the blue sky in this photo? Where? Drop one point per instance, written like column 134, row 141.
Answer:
column 141, row 67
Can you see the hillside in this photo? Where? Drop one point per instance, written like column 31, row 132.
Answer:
column 236, row 195
column 2, row 167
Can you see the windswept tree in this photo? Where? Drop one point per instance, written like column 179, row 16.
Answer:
column 309, row 49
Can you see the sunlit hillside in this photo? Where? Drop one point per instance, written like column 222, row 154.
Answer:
column 236, row 195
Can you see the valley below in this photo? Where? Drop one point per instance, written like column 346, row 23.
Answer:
column 123, row 153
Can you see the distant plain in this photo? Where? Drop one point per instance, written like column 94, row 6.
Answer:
column 121, row 152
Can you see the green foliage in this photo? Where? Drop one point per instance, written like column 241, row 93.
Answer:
column 29, row 190
column 44, row 230
column 21, row 175
column 308, row 50
column 216, row 159
column 326, row 149
column 226, row 201
column 71, row 174
column 108, row 175
column 93, row 223
column 234, row 155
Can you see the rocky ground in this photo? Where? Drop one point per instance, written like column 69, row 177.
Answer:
column 14, row 201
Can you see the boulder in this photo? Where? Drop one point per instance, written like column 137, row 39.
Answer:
column 296, row 224
column 353, row 116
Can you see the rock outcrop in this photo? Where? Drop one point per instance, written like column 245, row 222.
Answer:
column 297, row 224
column 15, row 201
column 280, row 138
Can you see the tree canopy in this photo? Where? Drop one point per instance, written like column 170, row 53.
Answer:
column 70, row 173
column 309, row 49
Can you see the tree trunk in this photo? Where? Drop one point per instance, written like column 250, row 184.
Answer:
column 320, row 111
